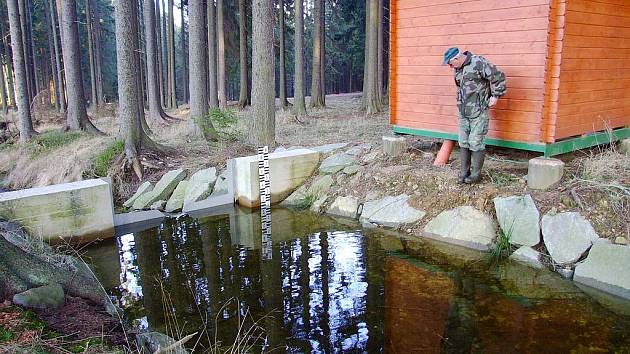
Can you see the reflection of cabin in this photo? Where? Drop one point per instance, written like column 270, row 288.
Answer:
column 566, row 62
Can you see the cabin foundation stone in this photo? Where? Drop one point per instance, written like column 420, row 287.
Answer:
column 543, row 173
column 394, row 145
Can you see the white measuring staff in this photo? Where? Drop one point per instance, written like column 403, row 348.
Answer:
column 265, row 200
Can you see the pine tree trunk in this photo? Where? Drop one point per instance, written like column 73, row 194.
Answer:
column 316, row 79
column 221, row 55
column 185, row 48
column 242, row 26
column 158, row 48
column 322, row 70
column 3, row 91
column 199, row 60
column 172, row 89
column 51, row 50
column 164, row 50
column 96, row 24
column 373, row 99
column 263, row 121
column 156, row 113
column 90, row 38
column 366, row 53
column 143, row 67
column 380, row 51
column 23, row 103
column 77, row 118
column 25, row 50
column 61, row 91
column 31, row 51
column 283, row 73
column 9, row 60
column 299, row 107
column 213, row 99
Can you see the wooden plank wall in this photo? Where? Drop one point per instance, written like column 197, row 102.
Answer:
column 595, row 75
column 510, row 33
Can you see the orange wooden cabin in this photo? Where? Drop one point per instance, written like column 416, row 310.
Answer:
column 567, row 64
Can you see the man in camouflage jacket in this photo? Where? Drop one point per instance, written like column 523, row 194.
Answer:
column 479, row 86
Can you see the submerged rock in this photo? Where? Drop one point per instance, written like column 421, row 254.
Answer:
column 162, row 190
column 519, row 219
column 176, row 201
column 44, row 297
column 567, row 236
column 606, row 268
column 145, row 187
column 344, row 206
column 336, row 163
column 200, row 185
column 391, row 211
column 464, row 226
column 528, row 256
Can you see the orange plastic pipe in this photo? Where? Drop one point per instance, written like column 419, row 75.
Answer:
column 444, row 153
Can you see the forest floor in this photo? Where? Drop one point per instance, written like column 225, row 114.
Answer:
column 596, row 182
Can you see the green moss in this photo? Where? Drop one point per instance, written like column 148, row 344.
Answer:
column 51, row 140
column 306, row 203
column 217, row 122
column 103, row 161
column 5, row 335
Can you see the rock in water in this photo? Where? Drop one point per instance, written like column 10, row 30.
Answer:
column 391, row 212
column 567, row 236
column 162, row 190
column 336, row 163
column 176, row 202
column 528, row 256
column 200, row 185
column 606, row 268
column 145, row 187
column 463, row 226
column 44, row 297
column 519, row 219
column 344, row 206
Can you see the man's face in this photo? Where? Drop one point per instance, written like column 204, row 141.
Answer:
column 457, row 61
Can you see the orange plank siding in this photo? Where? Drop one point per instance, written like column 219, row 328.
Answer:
column 594, row 79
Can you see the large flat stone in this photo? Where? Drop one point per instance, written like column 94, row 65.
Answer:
column 567, row 236
column 336, row 163
column 200, row 185
column 528, row 256
column 162, row 190
column 328, row 148
column 288, row 171
column 145, row 187
column 519, row 219
column 391, row 211
column 176, row 201
column 344, row 206
column 44, row 297
column 222, row 197
column 543, row 173
column 607, row 267
column 320, row 186
column 464, row 226
column 77, row 211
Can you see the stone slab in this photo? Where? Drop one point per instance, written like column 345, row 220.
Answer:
column 77, row 212
column 519, row 219
column 336, row 163
column 528, row 256
column 328, row 148
column 44, row 297
column 137, row 221
column 200, row 185
column 144, row 188
column 344, row 206
column 567, row 236
column 224, row 199
column 391, row 211
column 176, row 201
column 607, row 267
column 464, row 226
column 288, row 170
column 163, row 189
column 543, row 173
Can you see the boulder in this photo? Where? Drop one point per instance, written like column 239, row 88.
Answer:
column 162, row 190
column 144, row 188
column 44, row 297
column 350, row 170
column 567, row 236
column 624, row 146
column 296, row 198
column 543, row 173
column 320, row 186
column 328, row 148
column 344, row 206
column 152, row 342
column 336, row 163
column 606, row 268
column 317, row 205
column 519, row 219
column 159, row 205
column 621, row 240
column 176, row 201
column 200, row 185
column 528, row 256
column 391, row 211
column 359, row 149
column 221, row 185
column 464, row 226
column 394, row 145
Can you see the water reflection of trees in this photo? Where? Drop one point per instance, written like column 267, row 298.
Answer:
column 312, row 295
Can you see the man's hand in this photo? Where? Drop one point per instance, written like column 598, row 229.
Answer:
column 493, row 101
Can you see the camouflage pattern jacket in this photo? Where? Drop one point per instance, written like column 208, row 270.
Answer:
column 477, row 80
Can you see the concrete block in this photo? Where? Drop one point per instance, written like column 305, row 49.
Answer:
column 288, row 170
column 544, row 172
column 137, row 221
column 624, row 146
column 394, row 145
column 77, row 211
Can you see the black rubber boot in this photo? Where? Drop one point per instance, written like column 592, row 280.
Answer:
column 464, row 167
column 477, row 164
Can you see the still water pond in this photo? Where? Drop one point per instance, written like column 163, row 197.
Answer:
column 325, row 285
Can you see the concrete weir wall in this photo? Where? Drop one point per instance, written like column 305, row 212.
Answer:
column 76, row 212
column 288, row 170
